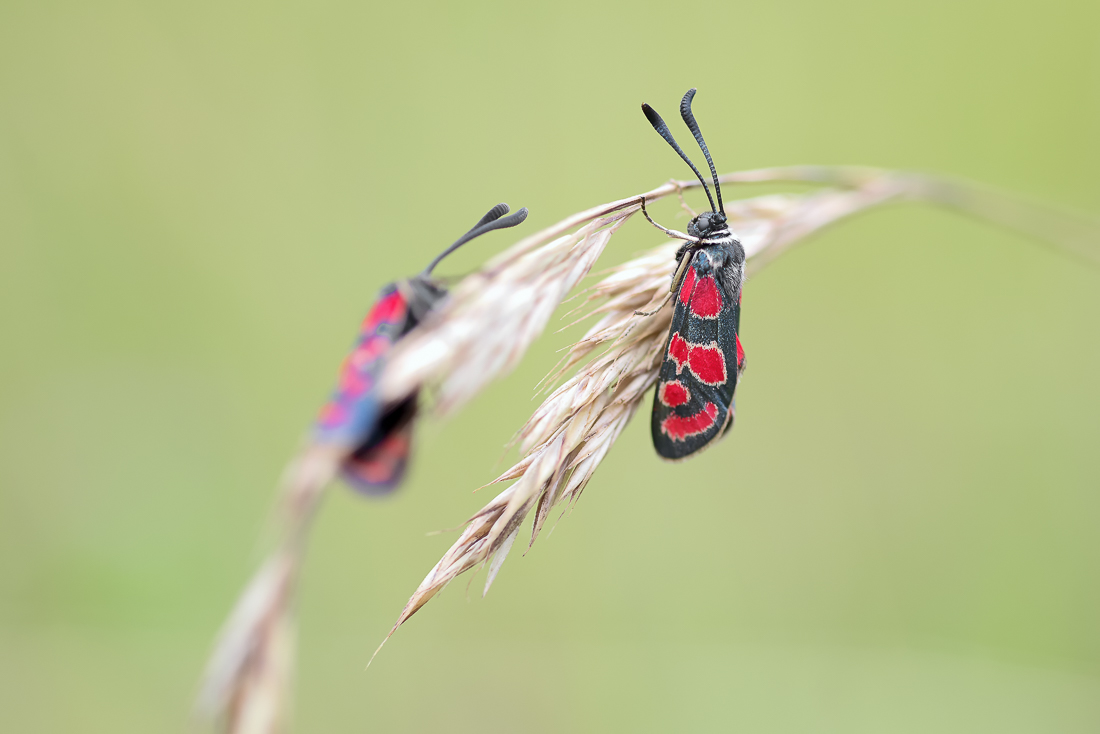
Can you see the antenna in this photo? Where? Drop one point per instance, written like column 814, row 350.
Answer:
column 689, row 118
column 662, row 130
column 493, row 214
column 492, row 220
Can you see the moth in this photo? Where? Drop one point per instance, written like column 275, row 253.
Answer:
column 375, row 437
column 703, row 359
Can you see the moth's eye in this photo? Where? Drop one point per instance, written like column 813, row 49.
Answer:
column 703, row 222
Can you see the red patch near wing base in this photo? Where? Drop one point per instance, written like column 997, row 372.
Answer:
column 687, row 286
column 390, row 309
column 679, row 428
column 706, row 302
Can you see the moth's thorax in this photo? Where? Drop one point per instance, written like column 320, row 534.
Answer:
column 720, row 250
column 711, row 259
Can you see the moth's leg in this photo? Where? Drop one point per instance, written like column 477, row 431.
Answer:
column 670, row 232
column 684, row 257
column 650, row 313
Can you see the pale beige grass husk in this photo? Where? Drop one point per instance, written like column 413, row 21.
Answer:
column 571, row 432
column 482, row 332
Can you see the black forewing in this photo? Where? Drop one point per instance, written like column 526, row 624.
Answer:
column 692, row 406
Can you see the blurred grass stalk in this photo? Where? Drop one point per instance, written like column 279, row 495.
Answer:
column 483, row 331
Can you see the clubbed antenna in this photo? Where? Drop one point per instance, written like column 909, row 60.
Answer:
column 662, row 130
column 492, row 220
column 493, row 214
column 689, row 118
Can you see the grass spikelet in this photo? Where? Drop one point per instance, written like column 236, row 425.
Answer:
column 483, row 330
column 248, row 677
column 245, row 688
column 490, row 322
column 570, row 433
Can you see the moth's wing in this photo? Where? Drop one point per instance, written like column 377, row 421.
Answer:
column 352, row 412
column 381, row 469
column 693, row 400
column 378, row 465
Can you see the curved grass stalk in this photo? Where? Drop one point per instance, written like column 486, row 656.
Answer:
column 482, row 332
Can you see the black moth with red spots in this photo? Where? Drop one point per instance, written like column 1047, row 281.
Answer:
column 702, row 358
column 373, row 436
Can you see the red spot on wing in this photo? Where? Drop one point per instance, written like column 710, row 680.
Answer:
column 706, row 361
column 673, row 393
column 353, row 383
column 383, row 465
column 740, row 354
column 679, row 428
column 369, row 350
column 688, row 285
column 678, row 350
column 333, row 414
column 706, row 302
column 390, row 309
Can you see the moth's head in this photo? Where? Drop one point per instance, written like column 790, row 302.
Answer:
column 707, row 224
column 422, row 293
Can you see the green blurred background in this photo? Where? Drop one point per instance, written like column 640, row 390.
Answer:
column 198, row 202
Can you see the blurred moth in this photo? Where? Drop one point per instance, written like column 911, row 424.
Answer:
column 373, row 435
